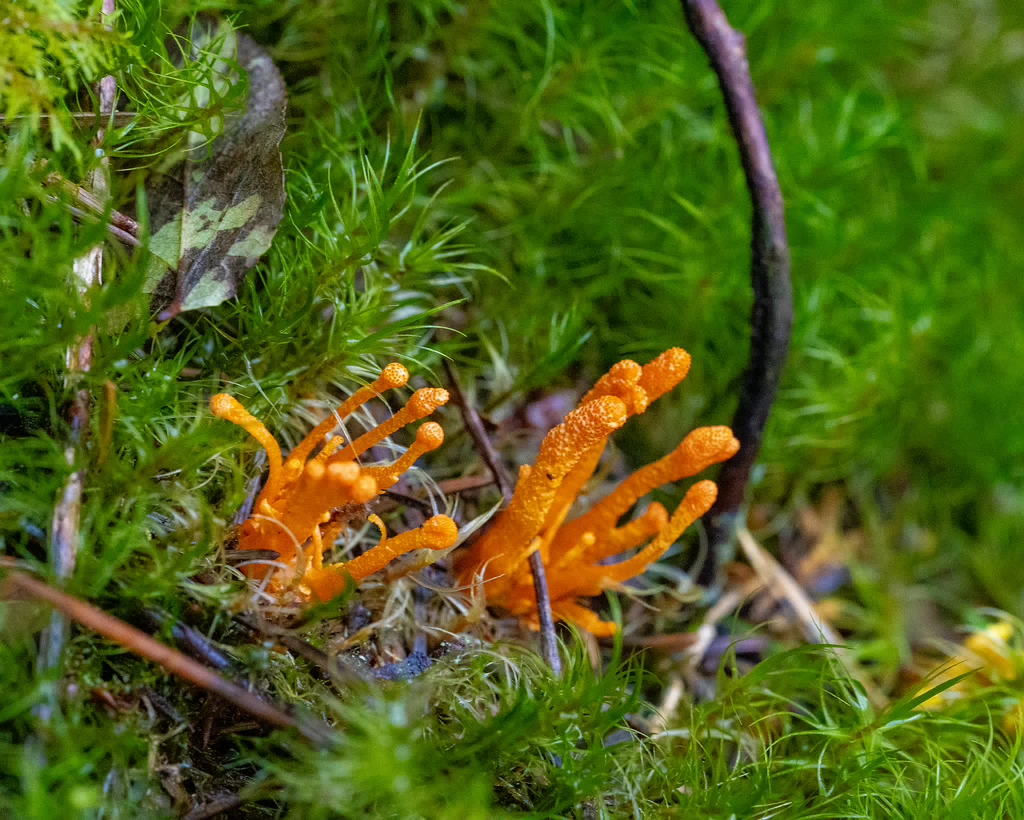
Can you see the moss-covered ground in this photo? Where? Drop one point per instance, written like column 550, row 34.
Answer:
column 534, row 190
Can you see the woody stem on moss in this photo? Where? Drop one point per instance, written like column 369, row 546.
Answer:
column 772, row 318
column 20, row 585
column 88, row 272
column 475, row 427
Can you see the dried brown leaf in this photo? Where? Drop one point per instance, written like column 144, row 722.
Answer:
column 215, row 213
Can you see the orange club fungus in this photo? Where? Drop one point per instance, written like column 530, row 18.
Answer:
column 574, row 553
column 301, row 510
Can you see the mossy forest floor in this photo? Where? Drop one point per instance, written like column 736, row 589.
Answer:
column 533, row 190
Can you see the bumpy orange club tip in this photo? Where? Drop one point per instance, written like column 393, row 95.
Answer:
column 300, row 496
column 429, row 437
column 623, row 382
column 392, row 376
column 665, row 372
column 563, row 447
column 230, row 409
column 422, row 403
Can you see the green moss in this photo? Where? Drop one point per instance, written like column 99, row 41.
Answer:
column 558, row 183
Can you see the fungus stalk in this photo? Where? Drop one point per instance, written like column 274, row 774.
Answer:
column 298, row 514
column 533, row 523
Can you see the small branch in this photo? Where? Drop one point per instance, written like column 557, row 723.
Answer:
column 235, row 557
column 293, row 643
column 666, row 712
column 454, row 486
column 137, row 641
column 252, row 490
column 475, row 428
column 88, row 271
column 784, row 587
column 548, row 640
column 772, row 319
column 189, row 639
column 335, row 668
column 95, row 205
column 118, row 233
column 406, row 500
column 211, row 808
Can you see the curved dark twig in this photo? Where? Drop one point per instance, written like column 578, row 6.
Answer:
column 772, row 319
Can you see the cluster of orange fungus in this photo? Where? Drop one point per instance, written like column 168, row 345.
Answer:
column 574, row 552
column 300, row 511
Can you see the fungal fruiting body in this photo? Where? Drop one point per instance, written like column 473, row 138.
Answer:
column 301, row 510
column 573, row 553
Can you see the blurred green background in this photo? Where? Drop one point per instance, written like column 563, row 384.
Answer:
column 595, row 160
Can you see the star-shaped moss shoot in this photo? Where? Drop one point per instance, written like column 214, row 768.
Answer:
column 574, row 552
column 302, row 508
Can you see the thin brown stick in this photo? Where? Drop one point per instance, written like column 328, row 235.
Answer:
column 475, row 428
column 211, row 808
column 95, row 204
column 235, row 557
column 666, row 712
column 772, row 319
column 252, row 490
column 121, row 235
column 546, row 618
column 88, row 271
column 190, row 640
column 18, row 584
column 404, row 499
column 336, row 668
column 454, row 486
column 295, row 644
